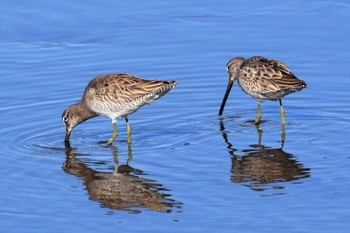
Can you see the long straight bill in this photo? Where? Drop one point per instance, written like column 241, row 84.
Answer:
column 227, row 93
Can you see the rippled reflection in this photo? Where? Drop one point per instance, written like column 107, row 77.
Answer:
column 121, row 189
column 261, row 166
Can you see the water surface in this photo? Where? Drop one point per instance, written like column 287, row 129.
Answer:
column 186, row 169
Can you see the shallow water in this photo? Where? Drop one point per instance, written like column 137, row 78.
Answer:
column 186, row 170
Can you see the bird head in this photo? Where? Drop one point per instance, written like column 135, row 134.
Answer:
column 71, row 118
column 233, row 67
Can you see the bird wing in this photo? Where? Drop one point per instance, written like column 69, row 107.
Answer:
column 270, row 75
column 117, row 91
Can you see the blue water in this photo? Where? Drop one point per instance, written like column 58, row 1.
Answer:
column 186, row 170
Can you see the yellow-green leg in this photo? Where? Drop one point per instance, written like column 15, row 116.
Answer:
column 115, row 134
column 128, row 129
column 258, row 117
column 282, row 113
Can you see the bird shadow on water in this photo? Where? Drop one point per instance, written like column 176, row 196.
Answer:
column 262, row 168
column 121, row 189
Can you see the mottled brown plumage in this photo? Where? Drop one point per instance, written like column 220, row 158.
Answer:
column 114, row 96
column 263, row 79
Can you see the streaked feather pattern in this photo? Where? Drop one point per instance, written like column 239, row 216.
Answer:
column 123, row 94
column 269, row 79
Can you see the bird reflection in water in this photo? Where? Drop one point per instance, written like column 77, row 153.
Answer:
column 121, row 189
column 261, row 167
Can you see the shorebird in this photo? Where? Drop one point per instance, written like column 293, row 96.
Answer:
column 114, row 96
column 263, row 79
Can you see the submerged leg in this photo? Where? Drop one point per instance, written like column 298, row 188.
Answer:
column 128, row 130
column 282, row 113
column 283, row 135
column 129, row 154
column 115, row 158
column 258, row 117
column 115, row 133
column 259, row 131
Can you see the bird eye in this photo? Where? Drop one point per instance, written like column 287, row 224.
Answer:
column 65, row 119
